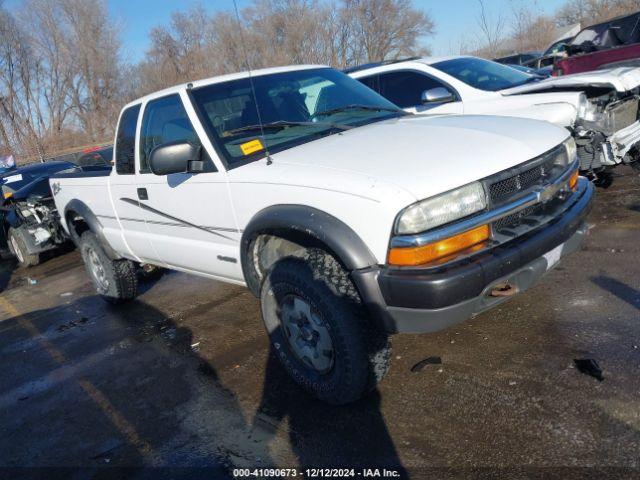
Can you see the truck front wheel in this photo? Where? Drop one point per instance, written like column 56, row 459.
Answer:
column 319, row 330
column 115, row 280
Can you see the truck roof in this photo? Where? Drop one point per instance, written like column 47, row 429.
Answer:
column 222, row 78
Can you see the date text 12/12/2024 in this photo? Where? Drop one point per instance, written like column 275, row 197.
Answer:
column 315, row 473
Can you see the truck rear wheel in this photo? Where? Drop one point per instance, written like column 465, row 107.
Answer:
column 319, row 330
column 115, row 280
column 20, row 251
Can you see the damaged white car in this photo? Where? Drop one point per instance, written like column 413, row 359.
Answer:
column 600, row 108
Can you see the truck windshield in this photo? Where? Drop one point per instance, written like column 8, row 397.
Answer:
column 484, row 74
column 288, row 109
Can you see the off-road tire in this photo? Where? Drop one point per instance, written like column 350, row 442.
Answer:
column 20, row 251
column 361, row 351
column 121, row 281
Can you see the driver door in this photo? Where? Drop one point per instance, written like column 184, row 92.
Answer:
column 189, row 216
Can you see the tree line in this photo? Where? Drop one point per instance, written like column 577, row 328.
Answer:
column 63, row 76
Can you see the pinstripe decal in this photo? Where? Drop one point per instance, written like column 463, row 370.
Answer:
column 179, row 222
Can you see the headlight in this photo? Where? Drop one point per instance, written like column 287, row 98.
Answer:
column 442, row 209
column 570, row 147
column 583, row 105
column 588, row 112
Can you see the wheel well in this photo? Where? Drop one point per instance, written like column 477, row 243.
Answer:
column 267, row 248
column 77, row 225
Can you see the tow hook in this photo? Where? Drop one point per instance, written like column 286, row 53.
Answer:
column 503, row 290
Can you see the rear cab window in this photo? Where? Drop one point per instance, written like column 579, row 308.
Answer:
column 126, row 141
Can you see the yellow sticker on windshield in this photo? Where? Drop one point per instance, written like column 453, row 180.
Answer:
column 250, row 147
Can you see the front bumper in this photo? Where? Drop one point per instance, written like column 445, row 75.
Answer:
column 426, row 300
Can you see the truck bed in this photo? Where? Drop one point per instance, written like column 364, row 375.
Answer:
column 89, row 191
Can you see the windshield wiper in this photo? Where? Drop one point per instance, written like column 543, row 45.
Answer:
column 354, row 106
column 282, row 124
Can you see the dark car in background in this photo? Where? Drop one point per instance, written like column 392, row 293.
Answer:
column 29, row 221
column 518, row 58
column 553, row 53
column 96, row 157
column 538, row 73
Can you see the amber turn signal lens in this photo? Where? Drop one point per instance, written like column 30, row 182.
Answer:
column 413, row 256
column 573, row 180
column 8, row 194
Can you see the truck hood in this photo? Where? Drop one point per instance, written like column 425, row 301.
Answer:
column 622, row 79
column 426, row 155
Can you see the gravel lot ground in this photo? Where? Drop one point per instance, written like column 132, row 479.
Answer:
column 183, row 378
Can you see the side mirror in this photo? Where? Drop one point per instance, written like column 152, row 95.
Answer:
column 176, row 157
column 437, row 95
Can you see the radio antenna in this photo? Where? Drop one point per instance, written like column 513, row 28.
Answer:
column 253, row 88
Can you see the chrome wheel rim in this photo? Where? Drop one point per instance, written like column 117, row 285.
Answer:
column 16, row 249
column 97, row 271
column 307, row 336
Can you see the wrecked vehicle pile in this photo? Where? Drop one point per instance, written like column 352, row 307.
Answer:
column 611, row 44
column 29, row 217
column 33, row 226
column 607, row 130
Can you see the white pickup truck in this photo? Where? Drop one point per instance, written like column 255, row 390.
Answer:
column 348, row 217
column 599, row 108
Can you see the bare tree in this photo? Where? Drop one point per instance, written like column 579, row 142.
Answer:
column 21, row 90
column 62, row 78
column 182, row 50
column 491, row 28
column 383, row 29
column 531, row 30
column 59, row 71
column 279, row 32
column 95, row 64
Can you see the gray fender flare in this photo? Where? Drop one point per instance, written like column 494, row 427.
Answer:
column 299, row 222
column 81, row 209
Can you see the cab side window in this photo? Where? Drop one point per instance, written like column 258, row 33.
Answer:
column 126, row 141
column 165, row 120
column 405, row 88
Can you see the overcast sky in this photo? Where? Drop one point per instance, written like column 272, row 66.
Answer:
column 454, row 19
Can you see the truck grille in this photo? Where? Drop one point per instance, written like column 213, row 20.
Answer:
column 516, row 182
column 515, row 219
column 509, row 184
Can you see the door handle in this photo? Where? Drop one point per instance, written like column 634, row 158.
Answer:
column 142, row 194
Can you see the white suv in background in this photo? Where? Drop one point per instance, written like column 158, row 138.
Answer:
column 599, row 108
